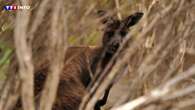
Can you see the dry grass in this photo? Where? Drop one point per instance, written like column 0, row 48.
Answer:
column 158, row 62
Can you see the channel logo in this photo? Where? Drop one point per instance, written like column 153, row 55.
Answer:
column 16, row 7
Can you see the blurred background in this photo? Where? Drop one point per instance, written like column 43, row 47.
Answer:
column 161, row 53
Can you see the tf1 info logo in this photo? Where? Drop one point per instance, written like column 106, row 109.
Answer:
column 16, row 7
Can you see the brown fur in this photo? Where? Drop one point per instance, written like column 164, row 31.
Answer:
column 74, row 79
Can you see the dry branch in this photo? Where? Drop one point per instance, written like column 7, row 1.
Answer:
column 23, row 51
column 161, row 93
column 57, row 53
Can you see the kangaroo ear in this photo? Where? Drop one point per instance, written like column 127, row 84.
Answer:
column 104, row 16
column 132, row 19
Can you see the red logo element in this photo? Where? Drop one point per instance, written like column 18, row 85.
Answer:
column 14, row 7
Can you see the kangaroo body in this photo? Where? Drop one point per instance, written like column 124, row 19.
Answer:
column 74, row 79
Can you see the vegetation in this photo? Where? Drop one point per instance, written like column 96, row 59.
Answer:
column 154, row 72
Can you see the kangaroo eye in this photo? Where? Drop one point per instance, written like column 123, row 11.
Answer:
column 110, row 34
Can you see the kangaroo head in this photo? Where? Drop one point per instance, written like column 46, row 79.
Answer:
column 115, row 30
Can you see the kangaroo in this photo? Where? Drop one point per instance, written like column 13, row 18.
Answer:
column 81, row 61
